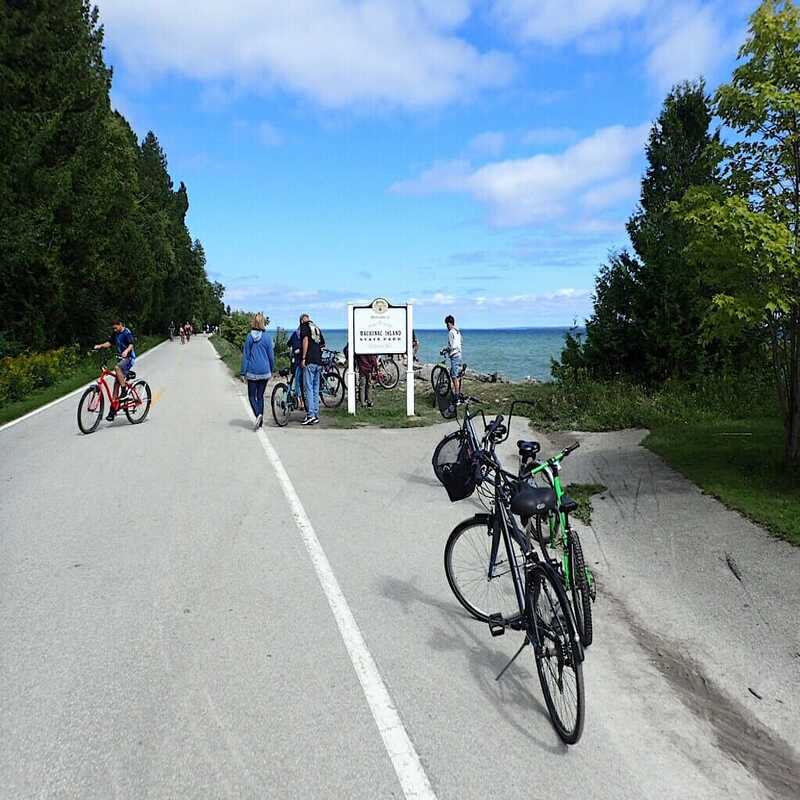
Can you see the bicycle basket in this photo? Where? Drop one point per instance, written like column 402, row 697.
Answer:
column 457, row 476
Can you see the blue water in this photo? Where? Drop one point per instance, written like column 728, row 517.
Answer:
column 516, row 353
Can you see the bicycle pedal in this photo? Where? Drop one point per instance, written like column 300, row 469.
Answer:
column 496, row 625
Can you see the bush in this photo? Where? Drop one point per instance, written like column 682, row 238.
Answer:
column 20, row 375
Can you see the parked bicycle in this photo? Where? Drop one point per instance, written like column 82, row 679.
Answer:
column 331, row 385
column 135, row 404
column 441, row 380
column 498, row 576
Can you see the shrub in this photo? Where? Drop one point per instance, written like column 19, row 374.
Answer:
column 20, row 375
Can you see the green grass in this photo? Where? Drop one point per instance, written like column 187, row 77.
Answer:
column 739, row 462
column 231, row 355
column 88, row 369
column 582, row 494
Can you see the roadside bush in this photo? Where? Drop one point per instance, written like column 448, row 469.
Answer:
column 281, row 344
column 20, row 375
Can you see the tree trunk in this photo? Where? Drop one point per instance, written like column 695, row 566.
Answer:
column 792, row 441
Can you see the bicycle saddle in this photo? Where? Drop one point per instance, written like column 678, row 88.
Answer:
column 528, row 449
column 530, row 501
column 131, row 375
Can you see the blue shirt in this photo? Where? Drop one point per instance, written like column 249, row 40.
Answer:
column 121, row 340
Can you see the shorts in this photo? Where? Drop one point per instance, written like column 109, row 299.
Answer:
column 126, row 365
column 455, row 366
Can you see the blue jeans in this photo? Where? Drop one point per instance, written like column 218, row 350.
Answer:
column 297, row 386
column 455, row 366
column 311, row 379
column 255, row 392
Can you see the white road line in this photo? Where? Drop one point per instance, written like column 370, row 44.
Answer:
column 71, row 394
column 401, row 751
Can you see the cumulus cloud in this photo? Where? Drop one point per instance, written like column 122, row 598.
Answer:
column 556, row 22
column 404, row 53
column 545, row 186
column 549, row 136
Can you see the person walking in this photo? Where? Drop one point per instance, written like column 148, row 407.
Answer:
column 311, row 343
column 454, row 353
column 258, row 361
column 295, row 349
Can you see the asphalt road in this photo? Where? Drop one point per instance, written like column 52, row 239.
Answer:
column 164, row 632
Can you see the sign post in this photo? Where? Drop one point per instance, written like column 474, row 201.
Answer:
column 379, row 329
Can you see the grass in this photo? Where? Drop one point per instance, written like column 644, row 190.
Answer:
column 582, row 494
column 88, row 369
column 231, row 355
column 740, row 462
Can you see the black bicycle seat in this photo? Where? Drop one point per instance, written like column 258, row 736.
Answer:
column 131, row 375
column 531, row 501
column 528, row 449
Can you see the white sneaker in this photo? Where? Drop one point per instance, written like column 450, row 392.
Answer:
column 259, row 420
column 314, row 421
column 307, row 421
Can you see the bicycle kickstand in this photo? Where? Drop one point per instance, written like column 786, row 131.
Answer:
column 513, row 659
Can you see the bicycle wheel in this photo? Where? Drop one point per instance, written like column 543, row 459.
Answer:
column 90, row 409
column 388, row 374
column 281, row 403
column 440, row 380
column 558, row 656
column 580, row 589
column 138, row 404
column 446, row 452
column 466, row 564
column 331, row 389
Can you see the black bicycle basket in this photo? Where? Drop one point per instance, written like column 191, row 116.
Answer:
column 458, row 475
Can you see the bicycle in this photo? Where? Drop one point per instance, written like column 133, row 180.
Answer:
column 540, row 608
column 136, row 403
column 550, row 526
column 331, row 384
column 284, row 399
column 441, row 380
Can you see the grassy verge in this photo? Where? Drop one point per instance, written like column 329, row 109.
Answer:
column 740, row 462
column 231, row 355
column 87, row 370
column 582, row 494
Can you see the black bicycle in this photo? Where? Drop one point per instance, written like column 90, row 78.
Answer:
column 495, row 572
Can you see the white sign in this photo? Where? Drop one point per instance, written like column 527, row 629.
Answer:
column 380, row 329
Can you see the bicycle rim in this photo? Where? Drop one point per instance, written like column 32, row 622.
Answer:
column 138, row 405
column 558, row 660
column 466, row 564
column 331, row 390
column 442, row 384
column 579, row 586
column 90, row 410
column 281, row 407
column 388, row 375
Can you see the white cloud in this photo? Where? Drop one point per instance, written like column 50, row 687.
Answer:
column 403, row 53
column 490, row 143
column 545, row 186
column 555, row 22
column 607, row 195
column 687, row 42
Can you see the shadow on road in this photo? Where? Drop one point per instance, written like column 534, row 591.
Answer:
column 515, row 693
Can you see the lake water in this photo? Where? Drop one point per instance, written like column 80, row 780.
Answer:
column 514, row 352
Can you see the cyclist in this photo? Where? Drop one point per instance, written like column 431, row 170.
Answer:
column 453, row 351
column 122, row 339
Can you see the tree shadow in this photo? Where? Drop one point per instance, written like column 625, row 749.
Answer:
column 460, row 633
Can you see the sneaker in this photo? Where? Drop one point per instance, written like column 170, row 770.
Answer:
column 314, row 421
column 110, row 416
column 259, row 420
column 308, row 421
column 123, row 394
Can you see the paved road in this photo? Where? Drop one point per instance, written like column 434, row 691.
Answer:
column 163, row 633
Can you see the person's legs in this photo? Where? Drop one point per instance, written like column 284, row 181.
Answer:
column 261, row 387
column 297, row 384
column 367, row 387
column 455, row 374
column 308, row 389
column 312, row 389
column 252, row 396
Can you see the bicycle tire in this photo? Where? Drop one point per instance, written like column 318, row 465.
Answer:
column 388, row 374
column 94, row 415
column 331, row 389
column 141, row 391
column 558, row 653
column 440, row 456
column 579, row 587
column 440, row 380
column 281, row 408
column 475, row 538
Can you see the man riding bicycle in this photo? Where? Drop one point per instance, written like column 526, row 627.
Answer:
column 122, row 339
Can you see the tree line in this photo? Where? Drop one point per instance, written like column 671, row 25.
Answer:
column 712, row 281
column 91, row 223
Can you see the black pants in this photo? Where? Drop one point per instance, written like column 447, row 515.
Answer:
column 255, row 392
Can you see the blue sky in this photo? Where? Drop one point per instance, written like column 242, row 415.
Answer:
column 476, row 157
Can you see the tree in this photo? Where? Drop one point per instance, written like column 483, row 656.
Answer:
column 749, row 241
column 649, row 305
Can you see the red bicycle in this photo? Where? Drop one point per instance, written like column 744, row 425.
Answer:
column 135, row 404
